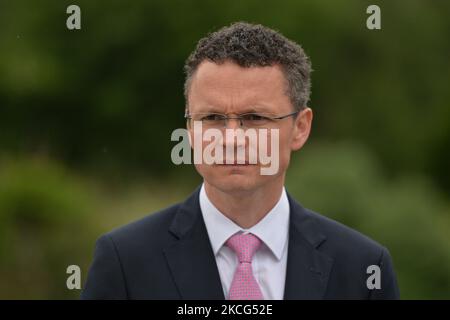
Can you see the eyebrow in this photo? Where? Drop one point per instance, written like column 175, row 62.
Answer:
column 251, row 109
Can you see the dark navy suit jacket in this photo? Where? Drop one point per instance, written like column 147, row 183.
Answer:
column 168, row 255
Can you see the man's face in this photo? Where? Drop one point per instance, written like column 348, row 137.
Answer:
column 233, row 90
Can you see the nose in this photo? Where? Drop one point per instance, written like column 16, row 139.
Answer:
column 236, row 127
column 233, row 123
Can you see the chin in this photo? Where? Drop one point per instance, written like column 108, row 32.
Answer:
column 234, row 180
column 234, row 183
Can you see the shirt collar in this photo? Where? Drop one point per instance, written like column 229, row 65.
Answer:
column 220, row 228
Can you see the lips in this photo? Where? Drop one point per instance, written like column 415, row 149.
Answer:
column 246, row 163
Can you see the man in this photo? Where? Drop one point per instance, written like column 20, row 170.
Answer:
column 240, row 235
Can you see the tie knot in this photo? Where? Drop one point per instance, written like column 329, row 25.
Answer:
column 244, row 245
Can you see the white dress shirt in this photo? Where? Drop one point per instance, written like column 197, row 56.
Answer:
column 269, row 262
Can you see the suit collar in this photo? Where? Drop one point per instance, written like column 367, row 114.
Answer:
column 187, row 216
column 191, row 259
column 220, row 228
column 308, row 269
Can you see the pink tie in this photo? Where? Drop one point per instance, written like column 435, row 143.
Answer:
column 244, row 285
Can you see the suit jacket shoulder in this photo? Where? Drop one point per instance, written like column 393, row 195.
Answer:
column 352, row 255
column 129, row 255
column 168, row 255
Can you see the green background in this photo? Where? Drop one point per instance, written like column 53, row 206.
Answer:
column 86, row 118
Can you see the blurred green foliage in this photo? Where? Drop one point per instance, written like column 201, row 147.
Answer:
column 407, row 215
column 44, row 228
column 110, row 94
column 86, row 118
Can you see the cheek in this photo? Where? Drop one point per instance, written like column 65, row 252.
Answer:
column 282, row 142
column 203, row 168
column 285, row 149
column 206, row 172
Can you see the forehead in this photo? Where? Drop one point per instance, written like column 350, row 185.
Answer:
column 229, row 87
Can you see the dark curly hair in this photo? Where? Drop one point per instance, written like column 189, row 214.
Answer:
column 251, row 45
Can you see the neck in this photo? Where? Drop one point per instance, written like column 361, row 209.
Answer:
column 245, row 208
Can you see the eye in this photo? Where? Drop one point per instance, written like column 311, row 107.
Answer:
column 254, row 117
column 212, row 117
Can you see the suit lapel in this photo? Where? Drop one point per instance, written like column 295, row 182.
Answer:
column 191, row 259
column 308, row 269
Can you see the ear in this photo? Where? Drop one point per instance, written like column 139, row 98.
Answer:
column 188, row 126
column 302, row 128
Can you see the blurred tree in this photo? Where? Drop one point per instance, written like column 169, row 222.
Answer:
column 103, row 101
column 344, row 181
column 44, row 228
column 108, row 96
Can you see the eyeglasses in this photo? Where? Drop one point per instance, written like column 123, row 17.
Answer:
column 247, row 120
